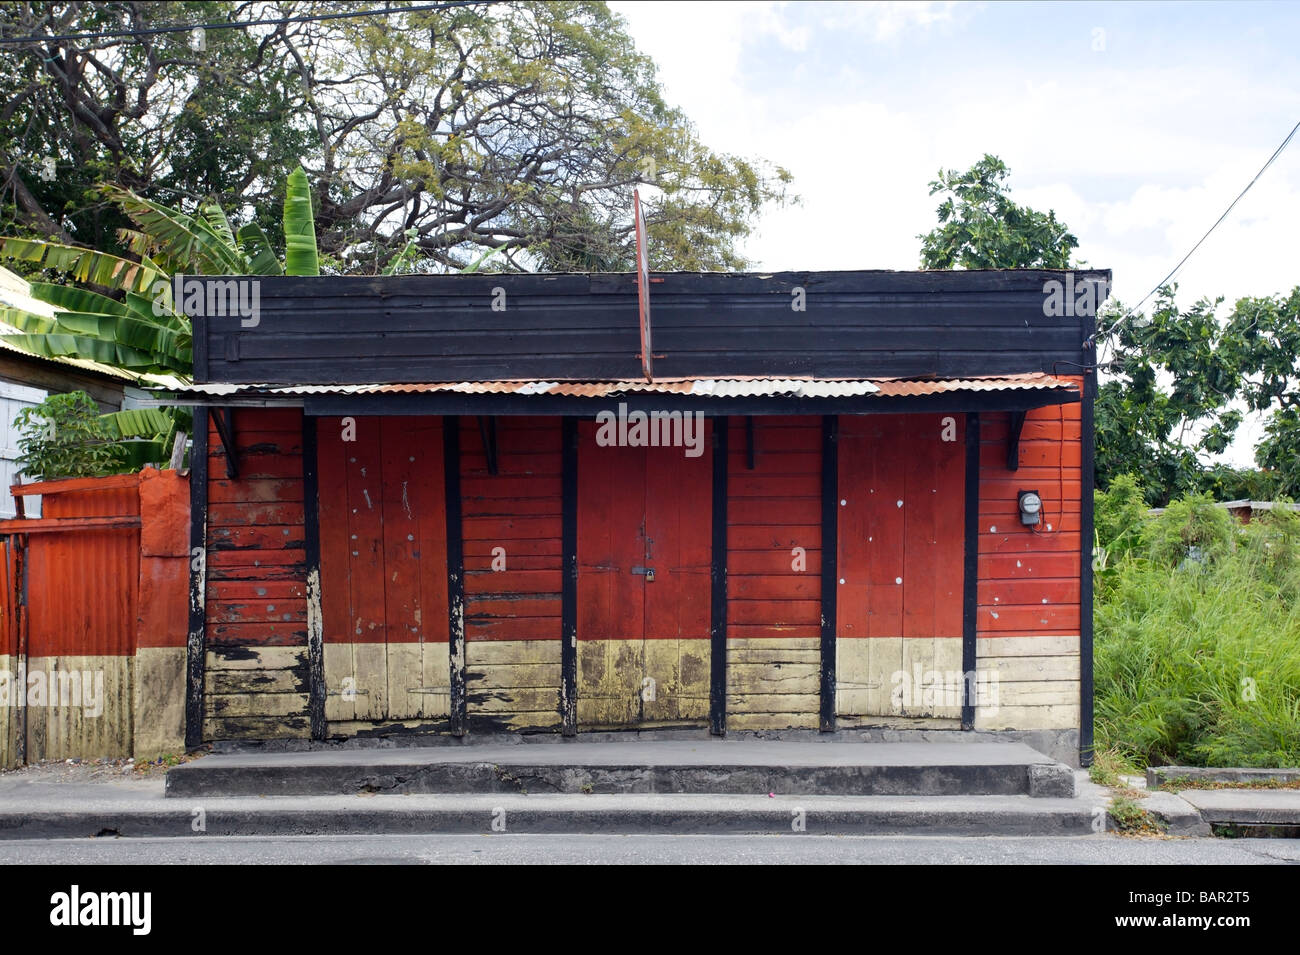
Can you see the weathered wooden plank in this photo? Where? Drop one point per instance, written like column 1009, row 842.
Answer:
column 256, row 658
column 255, row 681
column 254, row 704
column 257, row 727
column 1032, row 669
column 1063, row 716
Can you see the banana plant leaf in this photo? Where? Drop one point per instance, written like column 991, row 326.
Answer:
column 182, row 238
column 84, row 265
column 74, row 299
column 482, row 259
column 143, row 307
column 170, row 346
column 138, row 453
column 214, row 217
column 257, row 249
column 56, row 345
column 138, row 423
column 300, row 257
column 26, row 321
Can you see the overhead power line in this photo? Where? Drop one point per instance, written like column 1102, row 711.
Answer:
column 242, row 24
column 1165, row 281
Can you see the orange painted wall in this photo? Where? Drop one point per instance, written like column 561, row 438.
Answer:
column 1029, row 578
column 519, row 509
column 771, row 510
column 256, row 560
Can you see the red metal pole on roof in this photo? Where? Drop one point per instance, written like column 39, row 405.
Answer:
column 643, row 287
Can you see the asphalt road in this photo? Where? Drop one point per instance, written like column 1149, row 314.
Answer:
column 630, row 849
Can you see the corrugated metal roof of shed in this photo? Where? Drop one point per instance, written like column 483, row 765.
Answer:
column 735, row 387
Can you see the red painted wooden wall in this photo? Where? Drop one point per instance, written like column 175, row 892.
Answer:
column 256, row 542
column 901, row 525
column 1029, row 579
column 645, row 507
column 517, row 509
column 771, row 510
column 383, row 530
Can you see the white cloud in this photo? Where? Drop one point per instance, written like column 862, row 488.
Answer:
column 1138, row 148
column 888, row 21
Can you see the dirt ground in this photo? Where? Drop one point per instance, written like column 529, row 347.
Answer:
column 92, row 770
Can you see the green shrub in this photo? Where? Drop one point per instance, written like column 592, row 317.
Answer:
column 64, row 437
column 1197, row 656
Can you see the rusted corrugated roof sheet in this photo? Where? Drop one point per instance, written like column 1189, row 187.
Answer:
column 705, row 387
column 1029, row 382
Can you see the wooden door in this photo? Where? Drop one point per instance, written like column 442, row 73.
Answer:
column 383, row 535
column 644, row 585
column 901, row 532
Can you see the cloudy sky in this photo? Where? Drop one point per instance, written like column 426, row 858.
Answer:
column 1137, row 122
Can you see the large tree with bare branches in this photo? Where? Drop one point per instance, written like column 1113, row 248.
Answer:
column 428, row 136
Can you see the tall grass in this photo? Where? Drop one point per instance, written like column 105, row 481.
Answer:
column 1197, row 634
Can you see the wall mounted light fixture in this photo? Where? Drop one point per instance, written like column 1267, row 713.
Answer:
column 1031, row 507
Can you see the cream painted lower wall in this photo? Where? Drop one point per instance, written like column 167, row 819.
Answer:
column 85, row 711
column 8, row 721
column 513, row 684
column 159, row 700
column 387, row 681
column 1022, row 683
column 899, row 677
column 773, row 683
column 1037, row 682
column 256, row 693
column 612, row 682
column 1028, row 682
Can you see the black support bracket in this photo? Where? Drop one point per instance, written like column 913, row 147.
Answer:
column 1013, row 440
column 224, row 419
column 487, row 429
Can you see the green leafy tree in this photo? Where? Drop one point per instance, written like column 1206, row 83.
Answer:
column 523, row 126
column 1176, row 388
column 981, row 228
column 65, row 437
column 1262, row 337
column 1164, row 406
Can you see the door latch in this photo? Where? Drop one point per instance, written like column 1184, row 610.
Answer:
column 647, row 572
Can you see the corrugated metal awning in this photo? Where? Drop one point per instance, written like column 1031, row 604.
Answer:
column 756, row 387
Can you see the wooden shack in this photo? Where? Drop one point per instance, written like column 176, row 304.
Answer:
column 458, row 504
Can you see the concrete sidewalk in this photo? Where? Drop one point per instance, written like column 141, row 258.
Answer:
column 137, row 808
column 79, row 801
column 44, row 804
column 737, row 767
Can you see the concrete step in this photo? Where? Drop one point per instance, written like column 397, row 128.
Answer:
column 753, row 768
column 572, row 814
column 1256, row 812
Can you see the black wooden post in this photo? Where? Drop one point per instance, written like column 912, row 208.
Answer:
column 970, row 572
column 458, row 712
column 830, row 566
column 315, row 620
column 195, row 642
column 1087, row 479
column 569, row 582
column 718, row 575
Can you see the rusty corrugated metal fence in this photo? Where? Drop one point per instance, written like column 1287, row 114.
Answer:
column 71, row 626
